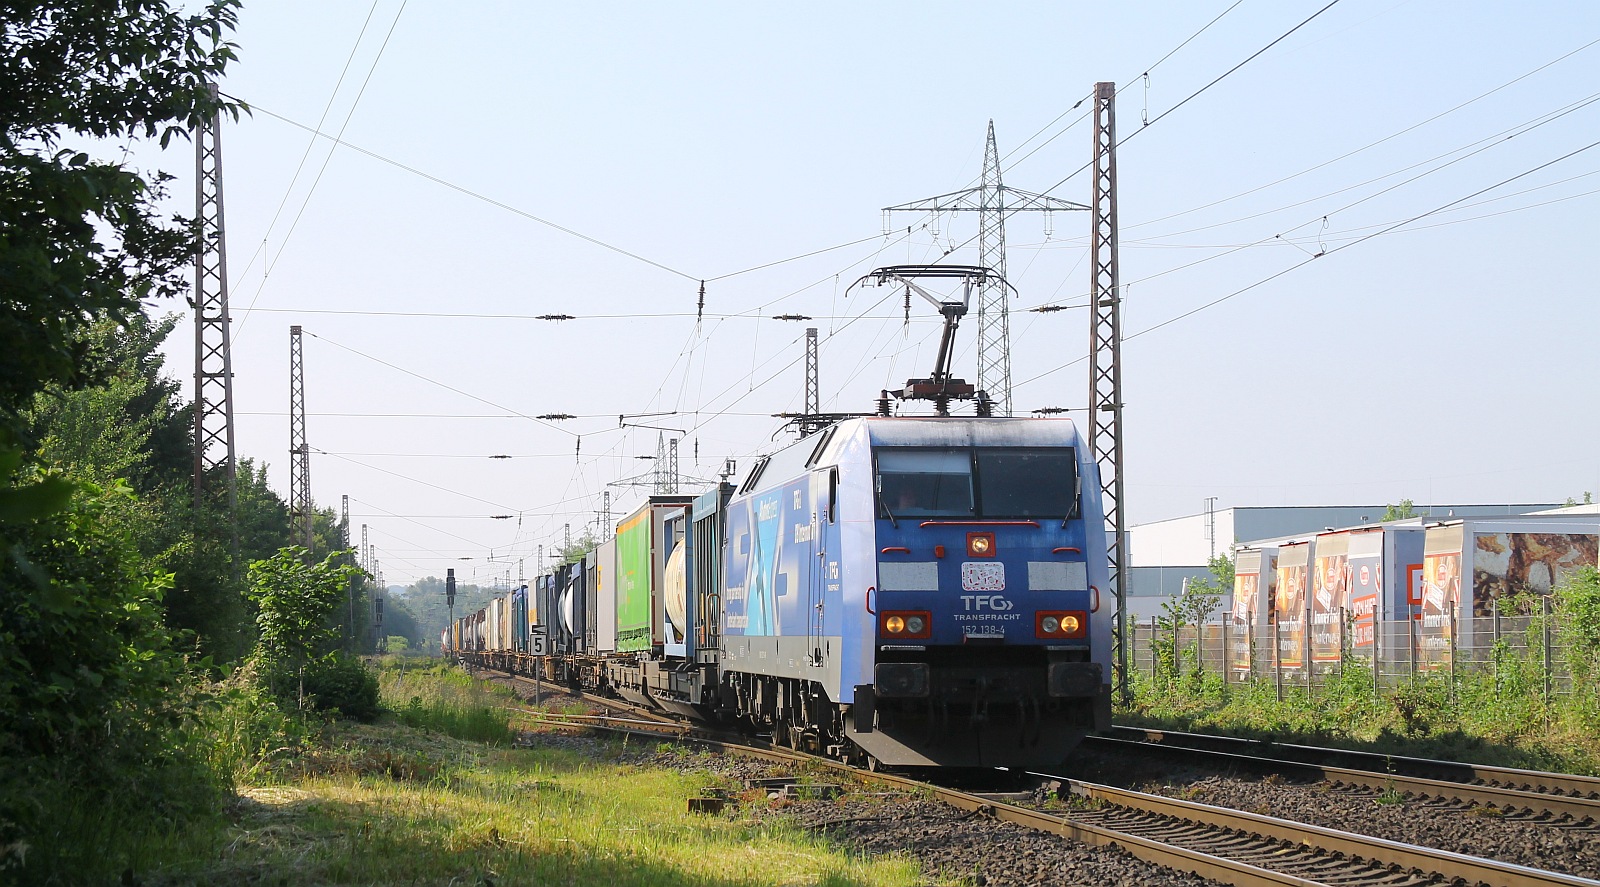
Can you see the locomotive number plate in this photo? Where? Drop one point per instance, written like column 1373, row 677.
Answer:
column 984, row 576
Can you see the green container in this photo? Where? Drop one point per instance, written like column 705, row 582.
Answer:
column 633, row 582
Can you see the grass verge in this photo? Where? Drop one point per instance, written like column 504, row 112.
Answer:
column 1472, row 718
column 396, row 803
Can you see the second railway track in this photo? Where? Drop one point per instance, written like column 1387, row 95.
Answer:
column 1550, row 796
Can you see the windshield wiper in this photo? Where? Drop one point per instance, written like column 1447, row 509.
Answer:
column 892, row 522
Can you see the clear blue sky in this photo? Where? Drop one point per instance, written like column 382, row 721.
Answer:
column 1451, row 359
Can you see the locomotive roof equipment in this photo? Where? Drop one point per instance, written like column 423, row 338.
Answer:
column 940, row 387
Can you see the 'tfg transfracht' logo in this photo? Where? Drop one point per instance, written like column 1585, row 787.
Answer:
column 997, row 603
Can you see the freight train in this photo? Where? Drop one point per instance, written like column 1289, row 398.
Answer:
column 906, row 592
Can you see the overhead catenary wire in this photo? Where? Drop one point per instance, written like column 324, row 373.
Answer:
column 312, row 143
column 1369, row 145
column 338, row 141
column 1489, row 142
column 1308, row 260
column 452, row 388
column 325, row 161
column 1163, row 115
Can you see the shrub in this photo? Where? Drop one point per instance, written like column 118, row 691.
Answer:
column 339, row 683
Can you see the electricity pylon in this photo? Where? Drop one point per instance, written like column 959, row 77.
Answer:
column 992, row 200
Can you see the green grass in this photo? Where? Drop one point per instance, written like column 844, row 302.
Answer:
column 446, row 700
column 394, row 803
column 1473, row 719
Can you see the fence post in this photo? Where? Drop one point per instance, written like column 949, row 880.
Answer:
column 1152, row 646
column 1455, row 646
column 1341, row 641
column 1177, row 652
column 1227, row 651
column 1549, row 666
column 1199, row 648
column 1305, row 643
column 1411, row 632
column 1250, row 643
column 1494, row 654
column 1377, row 648
column 1277, row 655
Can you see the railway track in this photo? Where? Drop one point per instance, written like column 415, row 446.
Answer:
column 1229, row 846
column 1257, row 849
column 1539, row 796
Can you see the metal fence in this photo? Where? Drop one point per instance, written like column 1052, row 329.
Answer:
column 1393, row 653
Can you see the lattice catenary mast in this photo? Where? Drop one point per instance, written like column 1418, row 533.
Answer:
column 1105, row 369
column 214, row 462
column 992, row 200
column 300, row 508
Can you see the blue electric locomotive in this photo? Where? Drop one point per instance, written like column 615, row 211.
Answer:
column 908, row 592
column 920, row 592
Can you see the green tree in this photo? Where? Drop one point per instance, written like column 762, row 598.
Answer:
column 294, row 602
column 1405, row 510
column 1194, row 606
column 571, row 554
column 132, row 426
column 82, row 238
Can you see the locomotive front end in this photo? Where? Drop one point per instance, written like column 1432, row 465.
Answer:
column 988, row 643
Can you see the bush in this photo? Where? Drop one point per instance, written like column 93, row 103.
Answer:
column 337, row 684
column 99, row 711
column 341, row 684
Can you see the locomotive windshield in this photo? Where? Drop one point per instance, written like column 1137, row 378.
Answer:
column 924, row 483
column 980, row 482
column 1027, row 483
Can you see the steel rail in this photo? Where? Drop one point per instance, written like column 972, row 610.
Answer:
column 1508, row 799
column 1396, row 856
column 1536, row 781
column 1391, row 861
column 1326, row 851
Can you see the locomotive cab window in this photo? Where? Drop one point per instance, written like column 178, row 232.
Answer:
column 924, row 483
column 1027, row 483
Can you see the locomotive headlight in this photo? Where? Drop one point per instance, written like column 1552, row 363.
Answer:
column 1060, row 624
column 905, row 624
column 980, row 545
